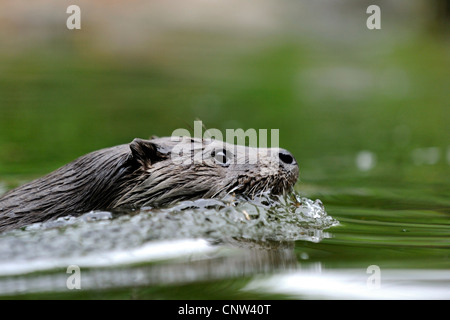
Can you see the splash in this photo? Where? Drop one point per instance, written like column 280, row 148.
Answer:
column 166, row 245
column 265, row 218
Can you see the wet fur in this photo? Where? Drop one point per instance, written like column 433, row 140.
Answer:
column 140, row 174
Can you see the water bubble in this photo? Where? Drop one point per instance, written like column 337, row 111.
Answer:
column 365, row 160
column 304, row 256
column 428, row 156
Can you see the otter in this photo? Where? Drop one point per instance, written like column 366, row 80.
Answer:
column 153, row 173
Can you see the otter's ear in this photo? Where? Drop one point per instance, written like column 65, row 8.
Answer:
column 145, row 153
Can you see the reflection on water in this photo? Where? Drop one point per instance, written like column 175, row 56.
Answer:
column 355, row 284
column 184, row 261
column 190, row 241
column 208, row 249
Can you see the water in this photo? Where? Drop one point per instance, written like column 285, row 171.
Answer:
column 288, row 246
column 206, row 231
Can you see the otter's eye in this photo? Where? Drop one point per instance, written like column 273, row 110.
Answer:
column 221, row 157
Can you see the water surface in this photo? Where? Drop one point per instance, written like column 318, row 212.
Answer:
column 269, row 247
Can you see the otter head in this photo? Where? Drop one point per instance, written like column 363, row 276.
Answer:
column 179, row 168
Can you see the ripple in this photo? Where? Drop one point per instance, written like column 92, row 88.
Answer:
column 80, row 240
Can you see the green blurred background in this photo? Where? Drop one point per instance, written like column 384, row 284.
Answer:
column 352, row 104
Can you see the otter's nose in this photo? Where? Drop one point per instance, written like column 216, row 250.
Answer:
column 286, row 157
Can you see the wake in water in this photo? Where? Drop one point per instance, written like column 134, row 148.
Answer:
column 265, row 218
column 236, row 235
